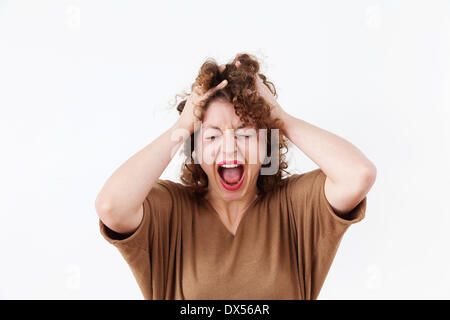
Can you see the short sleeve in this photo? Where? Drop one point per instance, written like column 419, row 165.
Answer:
column 150, row 241
column 318, row 230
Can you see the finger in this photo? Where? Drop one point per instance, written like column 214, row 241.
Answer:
column 222, row 68
column 197, row 111
column 221, row 85
column 238, row 63
column 196, row 91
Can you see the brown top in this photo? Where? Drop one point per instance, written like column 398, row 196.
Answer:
column 282, row 249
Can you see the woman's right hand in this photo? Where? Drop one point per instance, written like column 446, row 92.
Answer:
column 191, row 110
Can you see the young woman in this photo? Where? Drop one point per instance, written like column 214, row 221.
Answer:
column 236, row 228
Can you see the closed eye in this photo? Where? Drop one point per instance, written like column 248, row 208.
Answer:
column 210, row 138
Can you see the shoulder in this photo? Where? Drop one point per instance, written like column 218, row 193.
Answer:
column 296, row 184
column 306, row 180
column 175, row 189
column 168, row 185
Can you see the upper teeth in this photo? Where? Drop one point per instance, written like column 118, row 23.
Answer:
column 230, row 165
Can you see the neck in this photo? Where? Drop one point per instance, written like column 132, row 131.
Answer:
column 231, row 210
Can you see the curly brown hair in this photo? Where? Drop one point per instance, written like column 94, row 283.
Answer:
column 251, row 108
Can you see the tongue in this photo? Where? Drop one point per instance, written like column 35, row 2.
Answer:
column 231, row 175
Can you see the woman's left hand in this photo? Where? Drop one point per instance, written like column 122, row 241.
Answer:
column 265, row 92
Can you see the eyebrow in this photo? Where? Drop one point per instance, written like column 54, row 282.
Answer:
column 217, row 128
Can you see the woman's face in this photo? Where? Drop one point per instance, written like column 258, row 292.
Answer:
column 229, row 153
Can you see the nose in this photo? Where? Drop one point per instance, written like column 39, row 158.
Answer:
column 229, row 147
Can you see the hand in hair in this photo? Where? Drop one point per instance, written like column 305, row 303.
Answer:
column 191, row 111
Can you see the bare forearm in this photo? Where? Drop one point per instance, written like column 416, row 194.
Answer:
column 340, row 160
column 126, row 189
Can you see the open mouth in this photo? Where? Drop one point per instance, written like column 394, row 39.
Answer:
column 231, row 174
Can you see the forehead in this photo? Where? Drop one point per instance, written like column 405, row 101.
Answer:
column 220, row 113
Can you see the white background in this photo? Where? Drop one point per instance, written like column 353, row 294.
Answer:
column 86, row 84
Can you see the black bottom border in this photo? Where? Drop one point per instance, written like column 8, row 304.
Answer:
column 227, row 309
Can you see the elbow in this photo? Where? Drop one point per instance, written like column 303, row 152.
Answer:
column 105, row 213
column 368, row 176
column 103, row 208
